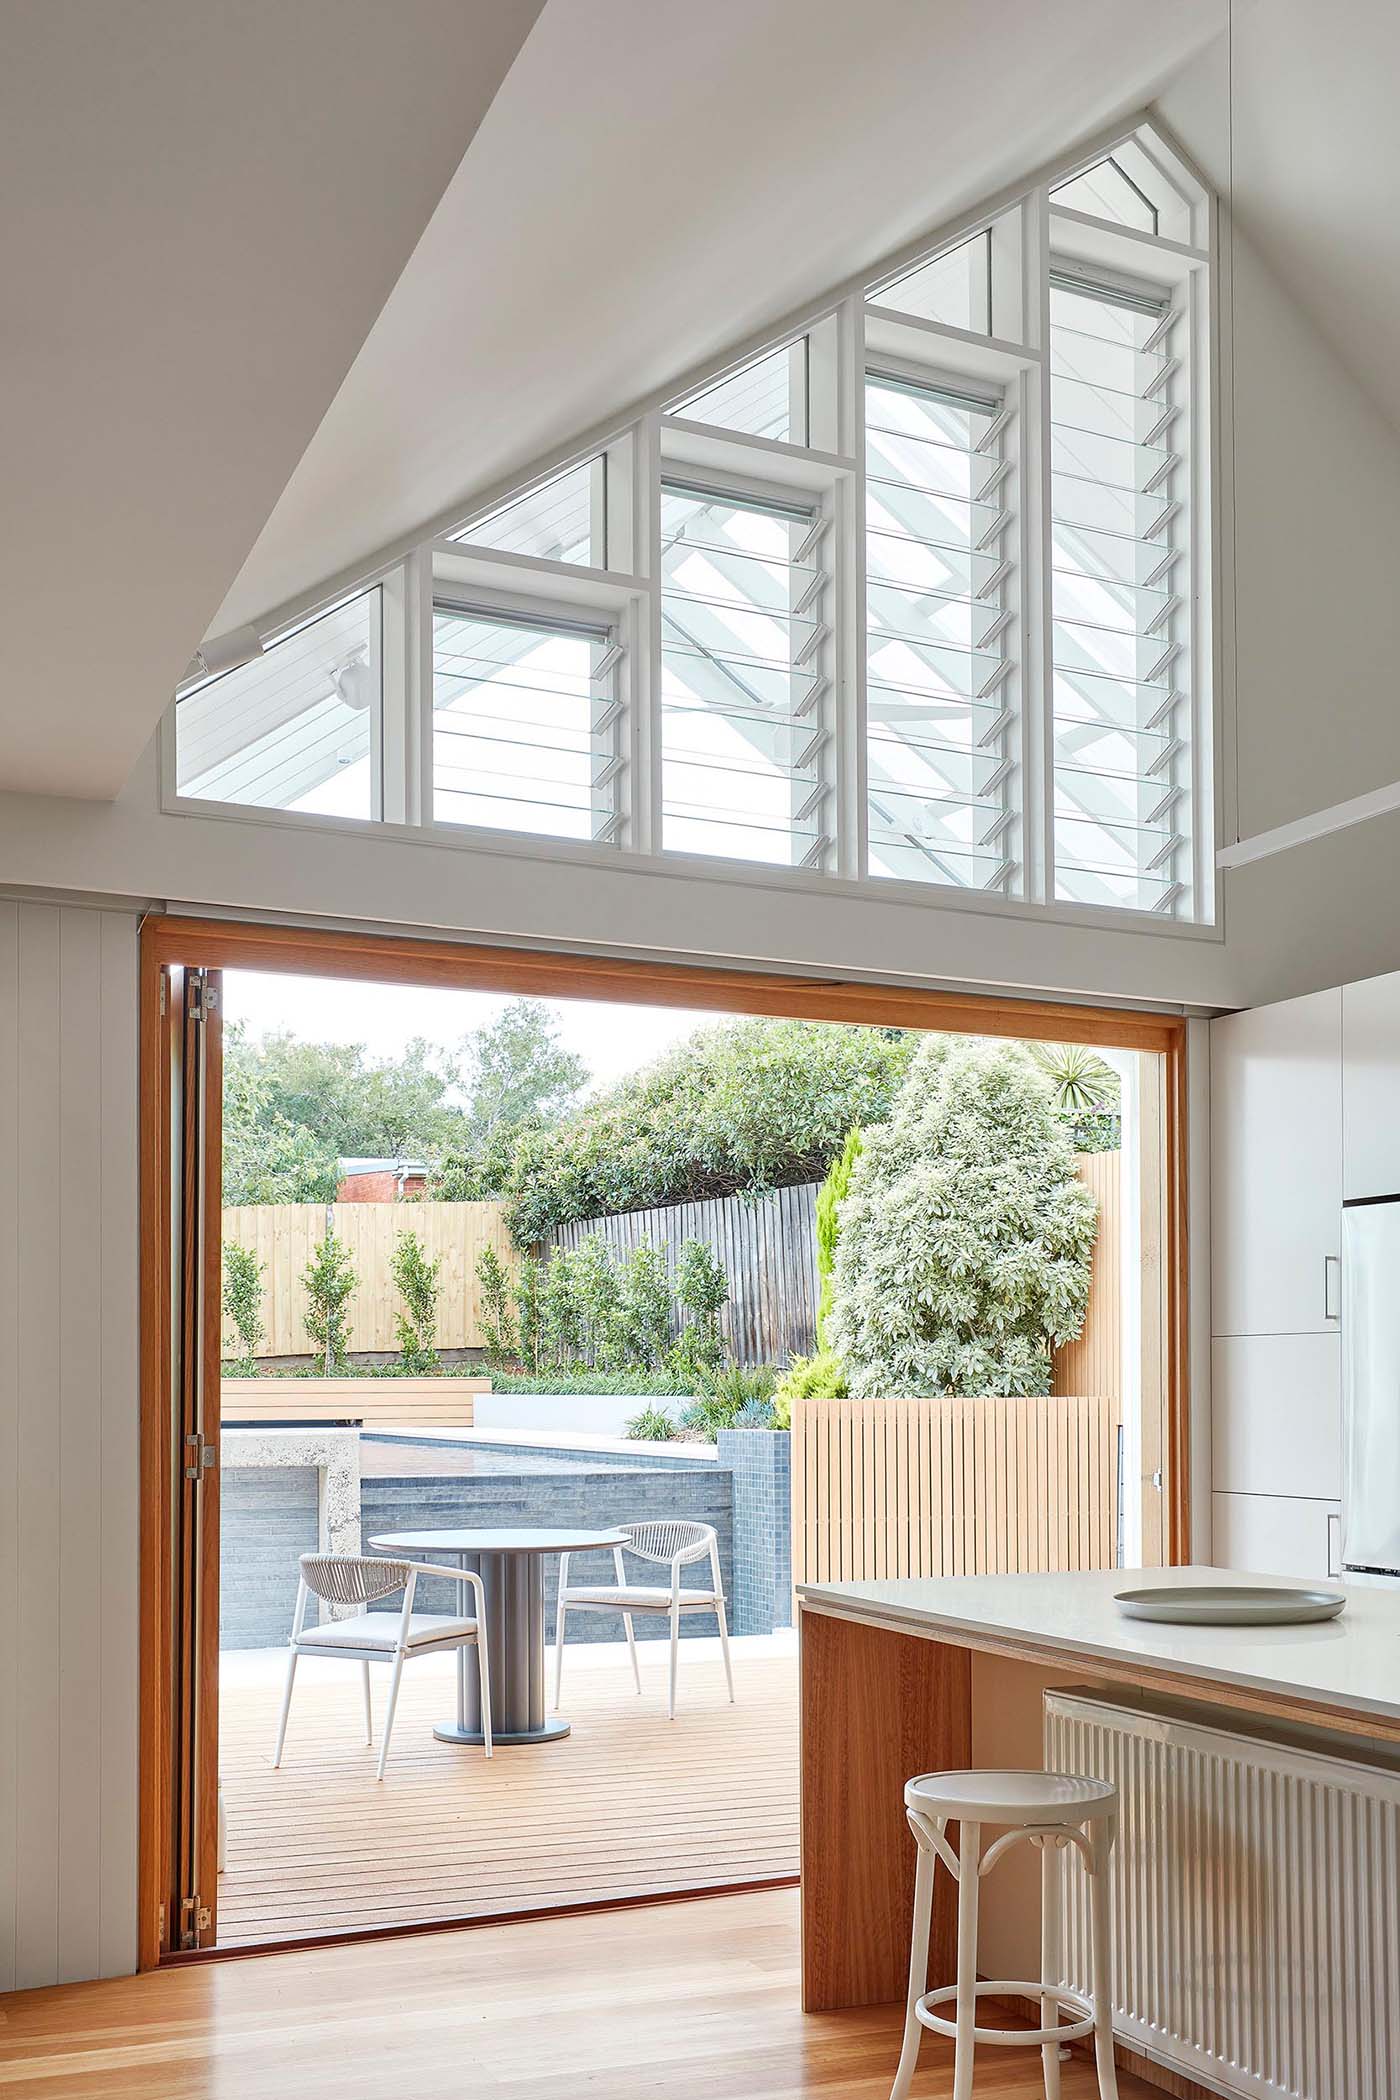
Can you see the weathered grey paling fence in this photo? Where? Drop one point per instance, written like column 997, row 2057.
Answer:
column 768, row 1246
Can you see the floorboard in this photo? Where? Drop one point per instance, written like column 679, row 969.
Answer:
column 690, row 1998
column 629, row 1804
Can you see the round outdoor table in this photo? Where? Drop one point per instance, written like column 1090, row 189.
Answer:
column 511, row 1567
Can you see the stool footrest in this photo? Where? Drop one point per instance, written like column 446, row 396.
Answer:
column 1080, row 2023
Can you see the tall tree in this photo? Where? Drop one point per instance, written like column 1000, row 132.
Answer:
column 516, row 1072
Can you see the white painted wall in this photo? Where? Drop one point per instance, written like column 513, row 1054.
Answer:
column 68, row 1443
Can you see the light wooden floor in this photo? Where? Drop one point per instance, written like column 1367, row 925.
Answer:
column 690, row 1999
column 629, row 1803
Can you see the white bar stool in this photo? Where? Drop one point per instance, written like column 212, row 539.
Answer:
column 1050, row 1810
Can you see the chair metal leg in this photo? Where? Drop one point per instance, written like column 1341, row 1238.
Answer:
column 389, row 1712
column 369, row 1705
column 724, row 1647
column 1101, row 1981
column 483, row 1675
column 632, row 1650
column 1050, row 1959
column 559, row 1617
column 969, row 1862
column 286, row 1708
column 675, row 1655
column 924, row 1873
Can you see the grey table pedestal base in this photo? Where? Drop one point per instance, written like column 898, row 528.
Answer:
column 514, row 1586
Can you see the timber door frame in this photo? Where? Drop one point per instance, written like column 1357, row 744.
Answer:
column 171, row 944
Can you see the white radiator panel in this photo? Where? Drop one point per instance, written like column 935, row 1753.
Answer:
column 1255, row 1894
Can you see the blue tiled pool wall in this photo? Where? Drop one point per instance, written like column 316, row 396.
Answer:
column 269, row 1518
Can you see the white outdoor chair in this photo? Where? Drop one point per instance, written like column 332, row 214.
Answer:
column 381, row 1636
column 670, row 1545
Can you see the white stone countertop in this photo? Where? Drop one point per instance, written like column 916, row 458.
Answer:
column 1349, row 1664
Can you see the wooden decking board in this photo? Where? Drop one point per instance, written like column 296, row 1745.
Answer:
column 629, row 1804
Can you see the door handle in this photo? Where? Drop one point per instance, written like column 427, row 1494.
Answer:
column 1331, row 1307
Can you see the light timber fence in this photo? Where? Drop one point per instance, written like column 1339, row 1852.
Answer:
column 373, row 1403
column 953, row 1487
column 768, row 1246
column 283, row 1237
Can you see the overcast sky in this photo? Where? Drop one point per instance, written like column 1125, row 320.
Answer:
column 611, row 1040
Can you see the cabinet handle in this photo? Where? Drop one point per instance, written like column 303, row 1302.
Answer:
column 1330, row 1309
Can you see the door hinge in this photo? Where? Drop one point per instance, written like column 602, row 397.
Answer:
column 200, row 1455
column 191, row 1906
column 160, row 1924
column 164, row 992
column 1157, row 1481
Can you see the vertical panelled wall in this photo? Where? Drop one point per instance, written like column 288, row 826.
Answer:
column 68, row 1443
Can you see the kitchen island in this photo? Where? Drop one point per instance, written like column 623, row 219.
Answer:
column 904, row 1676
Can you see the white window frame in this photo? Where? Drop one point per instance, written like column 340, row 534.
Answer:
column 836, row 340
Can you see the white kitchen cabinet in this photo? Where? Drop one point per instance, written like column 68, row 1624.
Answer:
column 1371, row 1087
column 1276, row 1415
column 1276, row 1167
column 1276, row 1535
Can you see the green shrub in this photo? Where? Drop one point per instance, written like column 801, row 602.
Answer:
column 966, row 1238
column 597, row 1296
column 641, row 1384
column 330, row 1283
column 559, row 1320
column 830, row 1196
column 416, row 1324
column 243, row 1275
column 652, row 1426
column 821, row 1376
column 749, row 1106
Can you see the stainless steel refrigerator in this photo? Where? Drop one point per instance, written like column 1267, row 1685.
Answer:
column 1371, row 1385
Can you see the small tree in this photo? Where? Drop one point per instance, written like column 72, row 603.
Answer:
column 527, row 1310
column 966, row 1238
column 559, row 1322
column 598, row 1299
column 329, row 1281
column 243, row 1275
column 646, row 1306
column 417, row 1279
column 497, row 1322
column 702, row 1290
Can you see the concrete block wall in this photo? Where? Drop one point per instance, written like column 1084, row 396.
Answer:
column 267, row 1520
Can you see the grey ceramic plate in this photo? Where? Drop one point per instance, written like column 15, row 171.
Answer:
column 1213, row 1604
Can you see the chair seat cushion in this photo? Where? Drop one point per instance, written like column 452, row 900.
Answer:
column 635, row 1597
column 380, row 1629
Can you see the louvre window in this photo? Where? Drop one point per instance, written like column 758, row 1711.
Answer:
column 941, row 719
column 744, row 730
column 954, row 289
column 295, row 728
column 526, row 725
column 562, row 521
column 767, row 398
column 1121, row 718
column 917, row 593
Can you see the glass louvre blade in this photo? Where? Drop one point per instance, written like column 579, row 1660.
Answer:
column 294, row 728
column 526, row 726
column 562, row 521
column 767, row 398
column 940, row 736
column 1121, row 674
column 745, row 741
column 955, row 288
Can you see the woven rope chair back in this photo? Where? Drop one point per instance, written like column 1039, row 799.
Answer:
column 663, row 1541
column 351, row 1579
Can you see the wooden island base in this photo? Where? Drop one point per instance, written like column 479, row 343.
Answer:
column 881, row 1702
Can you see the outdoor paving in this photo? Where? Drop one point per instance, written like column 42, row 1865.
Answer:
column 628, row 1804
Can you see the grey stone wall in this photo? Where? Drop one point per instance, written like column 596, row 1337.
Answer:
column 267, row 1520
column 757, row 1461
column 594, row 1500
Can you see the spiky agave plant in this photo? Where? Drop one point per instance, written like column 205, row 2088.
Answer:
column 1082, row 1081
